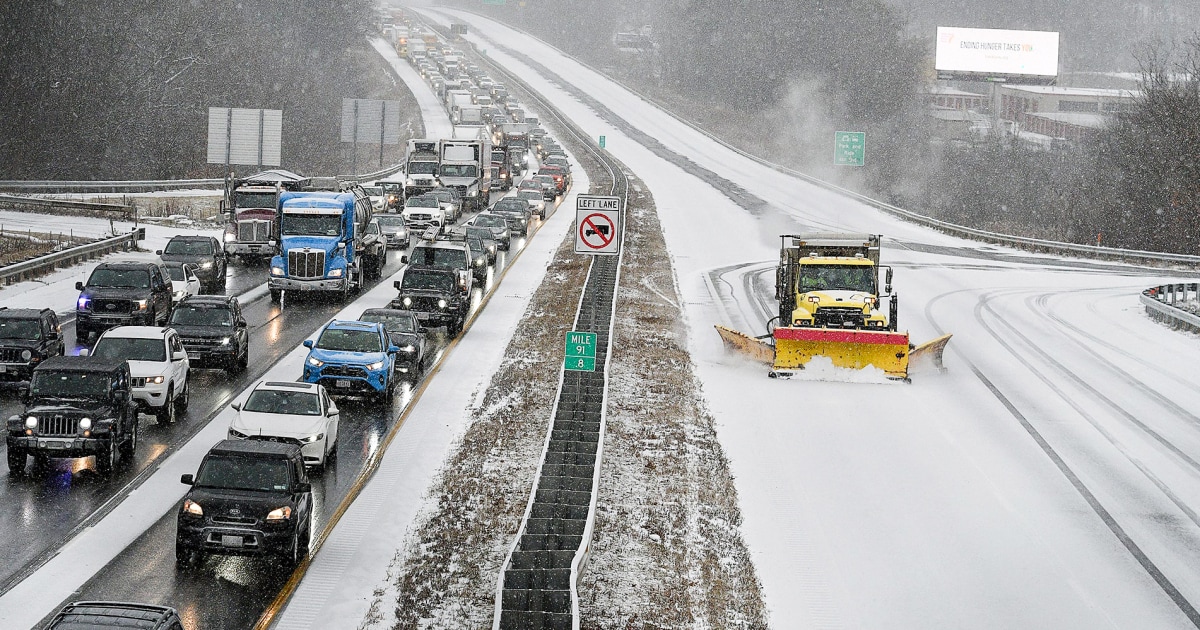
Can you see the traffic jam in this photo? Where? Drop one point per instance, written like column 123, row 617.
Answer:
column 162, row 345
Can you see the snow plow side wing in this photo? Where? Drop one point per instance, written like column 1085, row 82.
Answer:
column 854, row 349
column 930, row 352
column 756, row 349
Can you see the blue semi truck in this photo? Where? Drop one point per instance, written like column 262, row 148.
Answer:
column 325, row 244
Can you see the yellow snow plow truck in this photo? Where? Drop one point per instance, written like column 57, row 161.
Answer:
column 831, row 305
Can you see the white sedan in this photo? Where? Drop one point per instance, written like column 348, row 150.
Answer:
column 289, row 412
column 184, row 282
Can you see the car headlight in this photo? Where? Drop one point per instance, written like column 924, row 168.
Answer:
column 230, row 237
column 142, row 304
column 156, row 380
column 279, row 514
column 85, row 423
column 225, row 341
column 315, row 362
column 276, row 271
column 408, row 348
column 26, row 355
column 378, row 365
column 335, row 273
column 31, row 422
column 406, row 301
column 313, row 438
column 491, row 249
column 479, row 262
column 191, row 508
column 234, row 434
column 206, row 264
column 83, row 302
column 441, row 303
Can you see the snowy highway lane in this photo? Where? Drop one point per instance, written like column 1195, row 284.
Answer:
column 1048, row 480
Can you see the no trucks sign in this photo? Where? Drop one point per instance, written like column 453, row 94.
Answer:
column 598, row 225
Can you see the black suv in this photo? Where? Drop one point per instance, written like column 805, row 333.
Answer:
column 116, row 615
column 127, row 293
column 213, row 331
column 405, row 332
column 75, row 407
column 249, row 498
column 434, row 296
column 204, row 253
column 28, row 336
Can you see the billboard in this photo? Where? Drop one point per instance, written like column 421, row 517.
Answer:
column 984, row 54
column 250, row 137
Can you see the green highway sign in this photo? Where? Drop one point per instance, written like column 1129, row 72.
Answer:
column 498, row 2
column 581, row 352
column 849, row 148
column 603, row 141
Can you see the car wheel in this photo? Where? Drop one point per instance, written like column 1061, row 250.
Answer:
column 181, row 401
column 306, row 543
column 105, row 460
column 16, row 462
column 166, row 413
column 130, row 446
column 291, row 555
column 239, row 365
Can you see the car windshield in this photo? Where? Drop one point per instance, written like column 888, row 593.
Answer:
column 530, row 194
column 427, row 281
column 294, row 403
column 511, row 205
column 67, row 384
column 349, row 340
column 30, row 329
column 189, row 248
column 860, row 278
column 373, row 191
column 480, row 233
column 130, row 349
column 244, row 473
column 176, row 274
column 422, row 202
column 312, row 224
column 459, row 170
column 120, row 278
column 393, row 323
column 186, row 315
column 438, row 257
column 490, row 221
column 392, row 221
column 422, row 168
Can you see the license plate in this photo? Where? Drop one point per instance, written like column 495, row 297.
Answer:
column 56, row 445
column 3, row 369
column 255, row 248
column 341, row 382
column 231, row 541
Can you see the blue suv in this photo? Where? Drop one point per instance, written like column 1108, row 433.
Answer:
column 352, row 358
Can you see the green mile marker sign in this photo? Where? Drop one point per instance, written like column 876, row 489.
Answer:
column 581, row 352
column 849, row 148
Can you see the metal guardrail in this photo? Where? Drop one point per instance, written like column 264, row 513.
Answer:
column 1019, row 242
column 36, row 266
column 150, row 185
column 124, row 209
column 1175, row 304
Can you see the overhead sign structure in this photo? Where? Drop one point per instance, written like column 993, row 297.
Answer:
column 597, row 225
column 369, row 121
column 581, row 352
column 985, row 54
column 249, row 137
column 849, row 148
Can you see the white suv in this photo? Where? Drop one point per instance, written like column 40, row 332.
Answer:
column 291, row 412
column 158, row 365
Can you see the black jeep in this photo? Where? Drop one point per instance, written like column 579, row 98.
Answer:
column 204, row 253
column 213, row 331
column 434, row 296
column 128, row 293
column 75, row 407
column 28, row 336
column 249, row 498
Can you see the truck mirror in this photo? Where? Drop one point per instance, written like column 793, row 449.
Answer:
column 888, row 281
column 78, row 286
column 396, row 284
column 187, row 480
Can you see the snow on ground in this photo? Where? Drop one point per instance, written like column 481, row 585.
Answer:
column 433, row 114
column 1044, row 481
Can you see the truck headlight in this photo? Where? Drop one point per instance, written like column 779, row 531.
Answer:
column 83, row 303
column 335, row 273
column 31, row 422
column 441, row 303
column 26, row 355
column 141, row 304
column 378, row 365
column 225, row 341
column 85, row 423
column 406, row 301
column 191, row 508
column 277, row 271
column 230, row 237
column 408, row 349
column 279, row 514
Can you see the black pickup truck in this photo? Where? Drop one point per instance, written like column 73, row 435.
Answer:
column 127, row 293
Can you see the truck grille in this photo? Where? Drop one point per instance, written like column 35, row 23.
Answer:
column 424, row 304
column 254, row 231
column 11, row 355
column 57, row 425
column 344, row 370
column 200, row 344
column 102, row 306
column 137, row 381
column 306, row 264
column 419, row 217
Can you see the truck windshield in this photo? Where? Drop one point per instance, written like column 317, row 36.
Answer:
column 65, row 384
column 422, row 168
column 312, row 225
column 131, row 349
column 243, row 200
column 417, row 281
column 350, row 340
column 120, row 278
column 437, row 257
column 860, row 278
column 244, row 473
column 459, row 170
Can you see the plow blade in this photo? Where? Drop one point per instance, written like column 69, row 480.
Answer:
column 930, row 352
column 756, row 349
column 854, row 349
